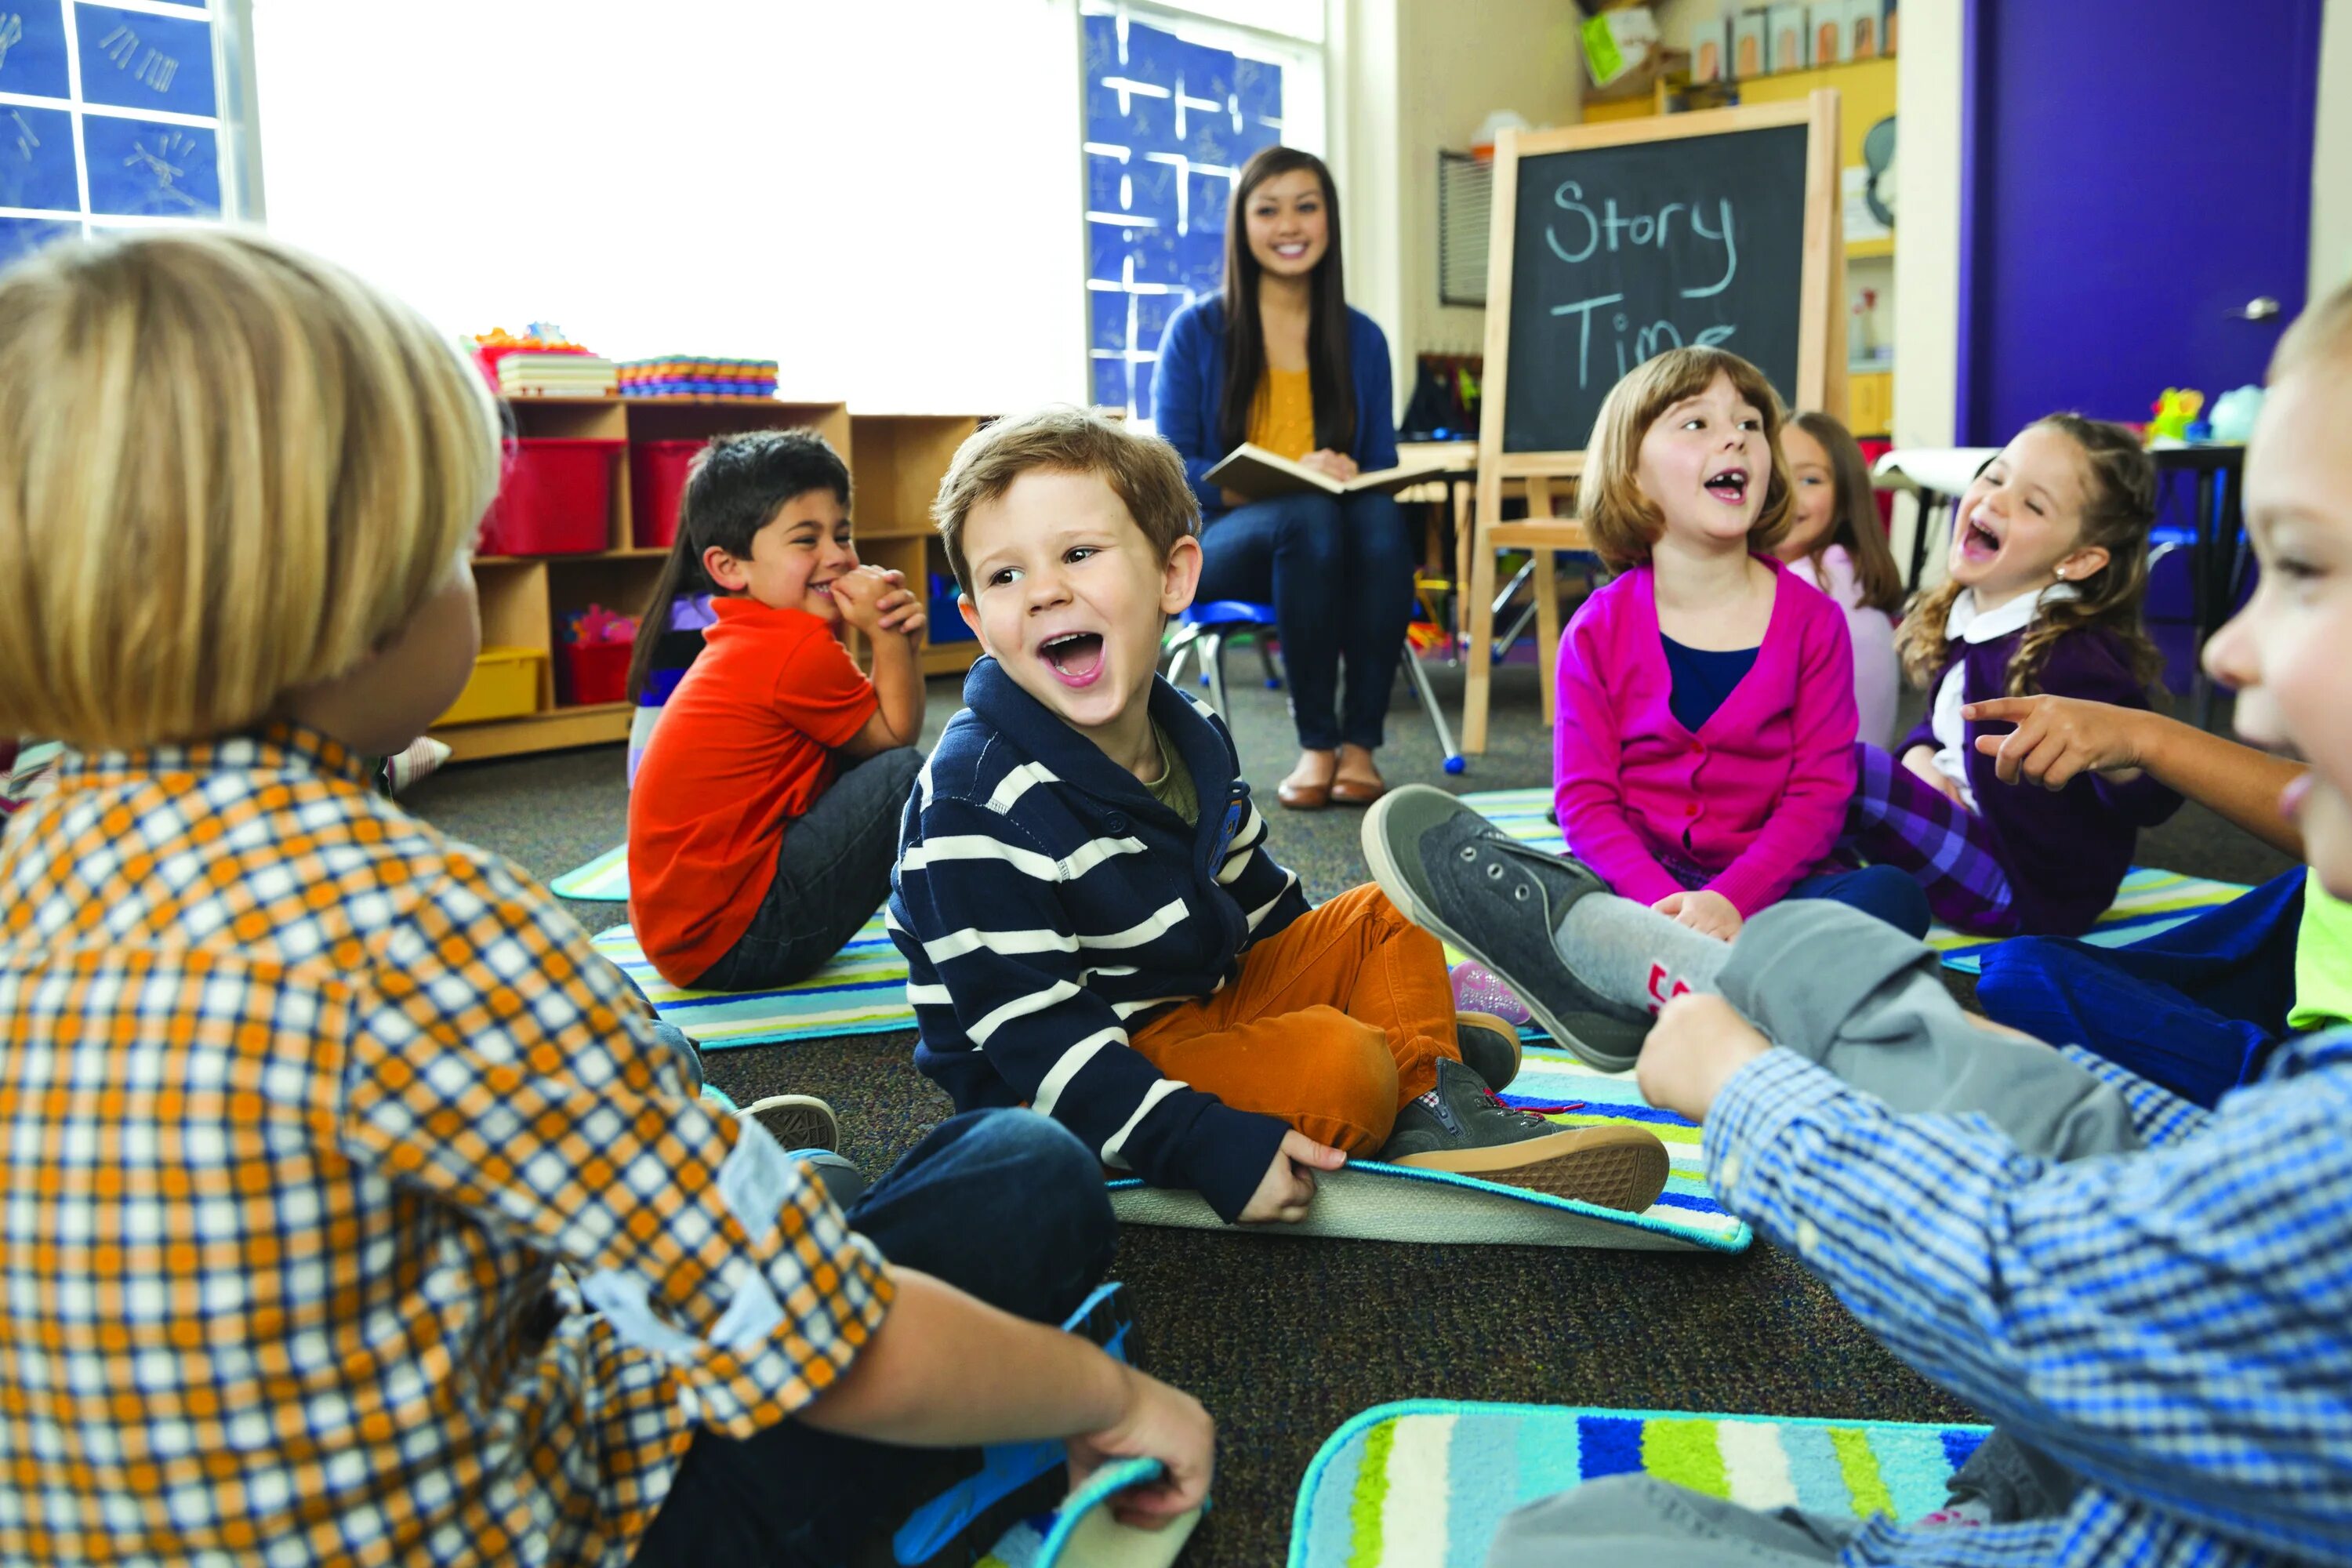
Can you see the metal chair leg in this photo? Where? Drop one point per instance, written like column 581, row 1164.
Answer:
column 1265, row 658
column 1212, row 661
column 1455, row 762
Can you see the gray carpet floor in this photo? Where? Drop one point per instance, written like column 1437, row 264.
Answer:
column 1285, row 1338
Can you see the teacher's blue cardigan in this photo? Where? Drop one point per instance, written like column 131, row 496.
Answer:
column 1191, row 378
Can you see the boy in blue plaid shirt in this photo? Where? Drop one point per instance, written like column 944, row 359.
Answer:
column 2151, row 1300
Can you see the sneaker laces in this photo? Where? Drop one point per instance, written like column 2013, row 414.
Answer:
column 1531, row 1115
column 1538, row 1108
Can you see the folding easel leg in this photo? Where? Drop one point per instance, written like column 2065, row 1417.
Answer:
column 1454, row 759
column 1547, row 632
column 1478, row 678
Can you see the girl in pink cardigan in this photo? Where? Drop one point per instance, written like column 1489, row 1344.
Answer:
column 1705, row 755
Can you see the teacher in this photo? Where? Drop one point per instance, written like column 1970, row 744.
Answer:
column 1279, row 359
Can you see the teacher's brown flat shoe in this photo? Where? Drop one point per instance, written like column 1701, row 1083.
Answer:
column 1358, row 792
column 1302, row 797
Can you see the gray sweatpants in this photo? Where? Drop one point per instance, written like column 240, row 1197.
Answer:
column 1852, row 993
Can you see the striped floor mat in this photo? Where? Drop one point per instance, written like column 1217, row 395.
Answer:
column 863, row 991
column 603, row 881
column 2149, row 901
column 1425, row 1484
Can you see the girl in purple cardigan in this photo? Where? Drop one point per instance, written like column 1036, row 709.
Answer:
column 2048, row 568
column 1705, row 755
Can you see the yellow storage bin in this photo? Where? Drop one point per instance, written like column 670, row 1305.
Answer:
column 504, row 685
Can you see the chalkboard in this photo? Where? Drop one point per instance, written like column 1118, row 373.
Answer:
column 1622, row 252
column 1614, row 242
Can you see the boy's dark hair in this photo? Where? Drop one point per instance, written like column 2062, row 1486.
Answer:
column 1144, row 471
column 735, row 489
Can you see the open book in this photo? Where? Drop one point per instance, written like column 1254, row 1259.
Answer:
column 1261, row 476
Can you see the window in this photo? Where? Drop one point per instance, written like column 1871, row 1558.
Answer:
column 1173, row 107
column 114, row 115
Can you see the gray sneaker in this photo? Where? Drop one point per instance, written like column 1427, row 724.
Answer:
column 1458, row 876
column 1461, row 1127
column 796, row 1121
column 1490, row 1047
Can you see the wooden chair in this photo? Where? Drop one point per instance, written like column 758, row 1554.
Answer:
column 1549, row 483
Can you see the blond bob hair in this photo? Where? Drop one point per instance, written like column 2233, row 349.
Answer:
column 2322, row 332
column 1624, row 523
column 231, row 470
column 1144, row 471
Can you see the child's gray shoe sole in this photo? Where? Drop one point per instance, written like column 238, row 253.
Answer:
column 1455, row 874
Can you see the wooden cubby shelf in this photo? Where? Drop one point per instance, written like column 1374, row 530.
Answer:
column 895, row 462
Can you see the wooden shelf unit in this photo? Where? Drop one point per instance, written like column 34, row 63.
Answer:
column 901, row 458
column 896, row 463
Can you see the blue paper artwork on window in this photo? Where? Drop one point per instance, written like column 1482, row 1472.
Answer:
column 33, row 48
column 136, row 59
column 1169, row 124
column 148, row 116
column 143, row 168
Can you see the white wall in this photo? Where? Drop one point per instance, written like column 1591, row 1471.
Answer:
column 899, row 226
column 1927, row 230
column 1409, row 78
column 2331, row 162
column 1462, row 62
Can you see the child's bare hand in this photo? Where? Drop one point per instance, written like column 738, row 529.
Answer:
column 1921, row 761
column 1696, row 1046
column 1288, row 1184
column 858, row 594
column 2058, row 739
column 1706, row 911
column 899, row 611
column 1158, row 1423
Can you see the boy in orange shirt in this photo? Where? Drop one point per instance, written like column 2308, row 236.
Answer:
column 765, row 815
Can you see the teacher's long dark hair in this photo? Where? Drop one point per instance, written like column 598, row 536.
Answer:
column 1327, row 370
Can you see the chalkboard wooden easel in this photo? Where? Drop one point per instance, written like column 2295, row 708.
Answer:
column 1609, row 244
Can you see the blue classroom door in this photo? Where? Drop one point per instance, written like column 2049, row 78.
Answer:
column 2136, row 172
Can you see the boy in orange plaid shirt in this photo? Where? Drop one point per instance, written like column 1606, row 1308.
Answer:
column 357, row 1214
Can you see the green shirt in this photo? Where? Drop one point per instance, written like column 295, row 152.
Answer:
column 2323, row 961
column 1173, row 788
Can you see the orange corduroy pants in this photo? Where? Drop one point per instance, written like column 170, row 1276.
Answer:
column 1332, row 1023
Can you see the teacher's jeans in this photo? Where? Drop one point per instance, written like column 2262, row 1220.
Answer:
column 1338, row 571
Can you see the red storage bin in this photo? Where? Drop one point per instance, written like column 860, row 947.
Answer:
column 657, row 472
column 593, row 672
column 555, row 500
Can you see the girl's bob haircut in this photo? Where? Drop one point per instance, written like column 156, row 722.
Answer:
column 1624, row 523
column 228, row 471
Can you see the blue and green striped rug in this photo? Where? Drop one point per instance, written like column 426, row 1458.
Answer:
column 861, row 991
column 1425, row 1483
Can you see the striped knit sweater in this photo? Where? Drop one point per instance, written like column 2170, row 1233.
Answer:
column 1047, row 905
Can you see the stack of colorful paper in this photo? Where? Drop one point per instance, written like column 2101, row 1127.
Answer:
column 543, row 363
column 697, row 375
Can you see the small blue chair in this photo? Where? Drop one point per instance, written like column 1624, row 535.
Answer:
column 1201, row 631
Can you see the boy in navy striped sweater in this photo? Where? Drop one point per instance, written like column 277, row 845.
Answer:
column 1091, row 921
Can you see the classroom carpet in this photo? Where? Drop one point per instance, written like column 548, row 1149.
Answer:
column 603, row 881
column 861, row 990
column 1425, row 1483
column 2150, row 902
column 1287, row 1340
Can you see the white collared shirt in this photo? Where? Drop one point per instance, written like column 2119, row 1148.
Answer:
column 1964, row 623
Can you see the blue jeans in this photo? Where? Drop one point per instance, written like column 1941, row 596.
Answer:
column 791, row 1495
column 1338, row 571
column 1886, row 891
column 833, row 872
column 2195, row 1009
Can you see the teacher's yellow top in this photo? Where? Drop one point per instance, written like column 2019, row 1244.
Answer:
column 1282, row 414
